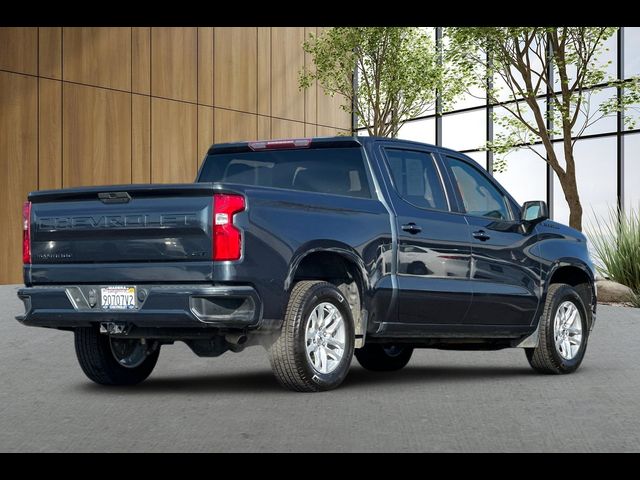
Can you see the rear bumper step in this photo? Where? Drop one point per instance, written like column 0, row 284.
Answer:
column 172, row 306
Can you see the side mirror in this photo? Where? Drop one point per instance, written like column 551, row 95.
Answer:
column 535, row 211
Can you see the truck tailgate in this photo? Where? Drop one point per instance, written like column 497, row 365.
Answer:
column 134, row 232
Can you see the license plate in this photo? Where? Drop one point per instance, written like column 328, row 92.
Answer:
column 118, row 298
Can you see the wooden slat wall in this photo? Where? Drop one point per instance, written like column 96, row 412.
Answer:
column 174, row 63
column 18, row 165
column 90, row 106
column 50, row 134
column 231, row 126
column 50, row 52
column 235, row 68
column 97, row 56
column 141, row 60
column 287, row 100
column 174, row 137
column 286, row 128
column 96, row 136
column 205, row 66
column 140, row 139
column 205, row 131
column 19, row 50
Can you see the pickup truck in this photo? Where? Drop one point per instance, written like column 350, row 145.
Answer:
column 318, row 250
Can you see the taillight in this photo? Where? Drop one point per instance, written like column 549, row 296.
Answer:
column 26, row 233
column 227, row 240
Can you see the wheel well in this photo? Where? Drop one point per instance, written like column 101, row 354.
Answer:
column 573, row 276
column 334, row 268
column 577, row 278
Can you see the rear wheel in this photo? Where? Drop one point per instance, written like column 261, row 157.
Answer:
column 562, row 333
column 114, row 361
column 379, row 357
column 315, row 346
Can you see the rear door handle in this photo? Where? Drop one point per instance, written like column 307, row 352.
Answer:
column 481, row 235
column 411, row 228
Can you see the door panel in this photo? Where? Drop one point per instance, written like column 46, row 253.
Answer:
column 505, row 273
column 434, row 269
column 434, row 245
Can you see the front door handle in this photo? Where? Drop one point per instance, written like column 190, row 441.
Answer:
column 411, row 228
column 481, row 235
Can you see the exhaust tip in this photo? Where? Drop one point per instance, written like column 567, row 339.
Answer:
column 236, row 341
column 236, row 338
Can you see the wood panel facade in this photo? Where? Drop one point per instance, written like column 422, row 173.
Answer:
column 18, row 165
column 92, row 106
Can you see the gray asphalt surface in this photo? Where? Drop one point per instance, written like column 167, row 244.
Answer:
column 442, row 401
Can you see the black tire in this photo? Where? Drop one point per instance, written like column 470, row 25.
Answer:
column 379, row 357
column 97, row 361
column 545, row 358
column 288, row 355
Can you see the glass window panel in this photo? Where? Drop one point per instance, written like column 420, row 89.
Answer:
column 429, row 111
column 632, row 171
column 473, row 98
column 423, row 130
column 480, row 197
column 591, row 111
column 479, row 157
column 596, row 175
column 526, row 175
column 502, row 91
column 527, row 113
column 607, row 59
column 464, row 131
column 416, row 178
column 430, row 31
column 632, row 113
column 631, row 51
column 345, row 174
column 609, row 56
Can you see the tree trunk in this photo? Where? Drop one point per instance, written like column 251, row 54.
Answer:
column 566, row 177
column 570, row 189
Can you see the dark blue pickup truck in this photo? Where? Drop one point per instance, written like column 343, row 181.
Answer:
column 318, row 249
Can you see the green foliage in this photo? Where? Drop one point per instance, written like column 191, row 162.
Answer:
column 528, row 62
column 616, row 242
column 397, row 68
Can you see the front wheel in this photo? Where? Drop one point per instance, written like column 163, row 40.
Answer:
column 379, row 357
column 562, row 333
column 315, row 346
column 114, row 361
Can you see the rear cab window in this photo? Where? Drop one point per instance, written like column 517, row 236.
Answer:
column 335, row 171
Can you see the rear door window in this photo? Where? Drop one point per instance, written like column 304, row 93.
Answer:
column 416, row 178
column 336, row 171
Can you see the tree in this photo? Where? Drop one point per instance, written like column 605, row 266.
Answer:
column 532, row 62
column 398, row 71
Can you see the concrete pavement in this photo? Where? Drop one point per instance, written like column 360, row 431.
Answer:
column 442, row 401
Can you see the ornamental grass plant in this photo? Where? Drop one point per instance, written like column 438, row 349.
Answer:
column 615, row 239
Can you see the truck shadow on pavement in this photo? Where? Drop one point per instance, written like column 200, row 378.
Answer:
column 263, row 381
column 359, row 377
